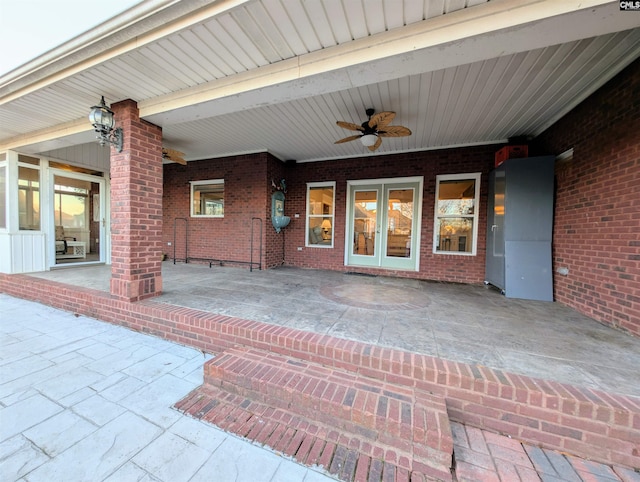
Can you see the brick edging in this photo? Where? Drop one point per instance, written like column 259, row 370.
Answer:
column 587, row 423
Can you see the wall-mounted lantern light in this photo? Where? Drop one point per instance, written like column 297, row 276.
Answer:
column 101, row 118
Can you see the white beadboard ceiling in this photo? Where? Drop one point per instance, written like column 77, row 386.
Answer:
column 229, row 77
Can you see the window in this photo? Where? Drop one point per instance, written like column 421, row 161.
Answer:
column 320, row 214
column 456, row 214
column 207, row 198
column 29, row 198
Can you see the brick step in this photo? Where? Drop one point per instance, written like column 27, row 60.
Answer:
column 349, row 458
column 394, row 424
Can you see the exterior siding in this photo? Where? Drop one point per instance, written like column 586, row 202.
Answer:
column 597, row 215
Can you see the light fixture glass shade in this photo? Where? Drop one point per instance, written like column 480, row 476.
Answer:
column 103, row 122
column 368, row 140
column 326, row 224
column 101, row 117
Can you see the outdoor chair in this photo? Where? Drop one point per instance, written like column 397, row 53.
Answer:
column 61, row 240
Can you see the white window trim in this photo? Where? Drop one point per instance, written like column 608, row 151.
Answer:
column 331, row 184
column 476, row 211
column 200, row 183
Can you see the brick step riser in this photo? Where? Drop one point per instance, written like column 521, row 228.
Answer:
column 428, row 441
column 350, row 459
column 305, row 404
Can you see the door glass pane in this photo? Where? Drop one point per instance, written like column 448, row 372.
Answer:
column 399, row 223
column 73, row 202
column 364, row 222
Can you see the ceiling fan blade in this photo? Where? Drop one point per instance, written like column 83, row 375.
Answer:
column 347, row 139
column 350, row 125
column 381, row 120
column 395, row 131
column 376, row 145
column 173, row 155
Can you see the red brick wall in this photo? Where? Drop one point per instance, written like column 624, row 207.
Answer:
column 466, row 269
column 136, row 207
column 247, row 194
column 597, row 215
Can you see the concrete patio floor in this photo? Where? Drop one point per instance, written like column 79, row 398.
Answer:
column 470, row 324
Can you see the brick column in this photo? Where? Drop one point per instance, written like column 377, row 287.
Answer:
column 136, row 207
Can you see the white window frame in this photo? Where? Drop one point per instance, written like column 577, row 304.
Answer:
column 332, row 215
column 200, row 183
column 475, row 216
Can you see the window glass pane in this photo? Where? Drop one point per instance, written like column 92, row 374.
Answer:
column 70, row 168
column 320, row 200
column 455, row 234
column 3, row 196
column 320, row 230
column 456, row 218
column 457, row 197
column 28, row 159
column 208, row 199
column 29, row 198
column 320, row 214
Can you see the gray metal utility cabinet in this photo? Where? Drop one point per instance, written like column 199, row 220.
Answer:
column 519, row 228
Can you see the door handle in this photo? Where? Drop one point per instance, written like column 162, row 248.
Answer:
column 493, row 227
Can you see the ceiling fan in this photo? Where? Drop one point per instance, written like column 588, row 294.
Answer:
column 373, row 130
column 173, row 155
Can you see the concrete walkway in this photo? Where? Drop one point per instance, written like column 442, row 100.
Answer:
column 83, row 400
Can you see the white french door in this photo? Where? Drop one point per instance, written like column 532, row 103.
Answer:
column 383, row 223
